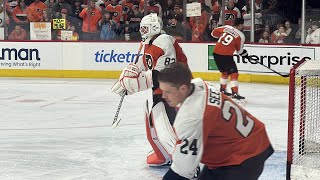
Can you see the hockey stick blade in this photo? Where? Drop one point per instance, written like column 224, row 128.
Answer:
column 282, row 75
column 115, row 124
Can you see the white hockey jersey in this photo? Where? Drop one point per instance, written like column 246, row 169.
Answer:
column 163, row 51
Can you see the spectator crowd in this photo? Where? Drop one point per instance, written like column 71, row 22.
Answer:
column 95, row 20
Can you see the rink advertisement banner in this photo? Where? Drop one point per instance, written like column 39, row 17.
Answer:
column 113, row 57
column 116, row 56
column 280, row 59
column 31, row 55
column 108, row 56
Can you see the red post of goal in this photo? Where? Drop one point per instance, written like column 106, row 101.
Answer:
column 291, row 116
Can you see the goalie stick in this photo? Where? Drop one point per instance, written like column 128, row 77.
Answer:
column 116, row 120
column 283, row 75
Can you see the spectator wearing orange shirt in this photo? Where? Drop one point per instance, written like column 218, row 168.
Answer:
column 116, row 9
column 198, row 25
column 18, row 34
column 91, row 17
column 198, row 29
column 127, row 8
column 231, row 13
column 116, row 13
column 19, row 15
column 278, row 36
column 35, row 11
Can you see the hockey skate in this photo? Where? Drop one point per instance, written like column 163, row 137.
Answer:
column 154, row 161
column 224, row 91
column 238, row 99
column 197, row 173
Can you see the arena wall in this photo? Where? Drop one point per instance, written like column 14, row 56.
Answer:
column 106, row 60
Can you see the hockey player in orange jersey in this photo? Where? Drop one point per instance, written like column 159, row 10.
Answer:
column 212, row 129
column 230, row 40
column 160, row 51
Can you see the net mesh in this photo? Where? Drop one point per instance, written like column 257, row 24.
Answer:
column 306, row 122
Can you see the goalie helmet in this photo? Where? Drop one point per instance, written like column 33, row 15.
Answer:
column 150, row 25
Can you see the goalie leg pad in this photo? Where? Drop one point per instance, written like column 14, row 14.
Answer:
column 164, row 129
column 162, row 150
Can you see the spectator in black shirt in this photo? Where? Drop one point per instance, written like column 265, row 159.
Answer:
column 133, row 24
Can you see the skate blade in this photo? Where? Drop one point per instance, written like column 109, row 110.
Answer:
column 241, row 102
column 164, row 165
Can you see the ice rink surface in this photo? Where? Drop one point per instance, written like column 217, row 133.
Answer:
column 60, row 129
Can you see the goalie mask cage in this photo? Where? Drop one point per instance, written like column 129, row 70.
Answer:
column 303, row 149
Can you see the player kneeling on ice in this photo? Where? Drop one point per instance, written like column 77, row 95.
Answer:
column 160, row 51
column 212, row 129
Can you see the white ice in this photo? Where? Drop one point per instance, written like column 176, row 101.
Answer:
column 60, row 129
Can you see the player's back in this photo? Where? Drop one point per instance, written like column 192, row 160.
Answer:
column 229, row 134
column 233, row 131
column 230, row 40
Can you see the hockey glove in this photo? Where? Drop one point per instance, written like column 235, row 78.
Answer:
column 244, row 54
column 118, row 89
column 132, row 80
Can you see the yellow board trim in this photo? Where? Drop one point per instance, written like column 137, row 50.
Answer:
column 209, row 76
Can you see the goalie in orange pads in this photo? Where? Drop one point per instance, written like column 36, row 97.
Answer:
column 160, row 51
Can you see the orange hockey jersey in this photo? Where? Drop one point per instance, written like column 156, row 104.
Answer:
column 90, row 19
column 116, row 12
column 35, row 11
column 231, row 15
column 214, row 130
column 230, row 40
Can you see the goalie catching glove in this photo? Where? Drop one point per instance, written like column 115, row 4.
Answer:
column 132, row 80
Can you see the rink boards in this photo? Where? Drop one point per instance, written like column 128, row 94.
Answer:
column 106, row 60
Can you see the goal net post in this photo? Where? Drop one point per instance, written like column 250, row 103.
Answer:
column 303, row 148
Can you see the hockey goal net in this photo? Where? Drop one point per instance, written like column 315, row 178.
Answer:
column 303, row 153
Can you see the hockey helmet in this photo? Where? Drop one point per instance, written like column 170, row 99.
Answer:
column 150, row 25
